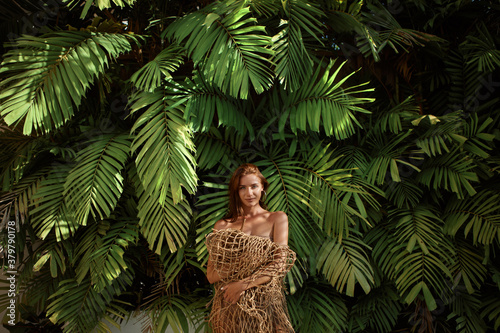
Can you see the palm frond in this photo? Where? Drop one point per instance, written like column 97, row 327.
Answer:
column 322, row 100
column 55, row 252
column 163, row 219
column 452, row 171
column 477, row 134
column 317, row 307
column 223, row 39
column 377, row 311
column 479, row 216
column 465, row 311
column 491, row 310
column 331, row 194
column 101, row 4
column 294, row 63
column 48, row 76
column 480, row 49
column 16, row 153
column 207, row 106
column 50, row 210
column 95, row 183
column 416, row 273
column 404, row 194
column 386, row 154
column 151, row 75
column 84, row 315
column 468, row 266
column 176, row 312
column 216, row 147
column 438, row 132
column 345, row 264
column 164, row 147
column 103, row 254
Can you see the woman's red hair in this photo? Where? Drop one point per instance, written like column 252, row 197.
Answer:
column 235, row 206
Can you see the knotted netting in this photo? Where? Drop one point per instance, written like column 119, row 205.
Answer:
column 237, row 256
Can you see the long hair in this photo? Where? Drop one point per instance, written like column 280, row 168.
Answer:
column 235, row 206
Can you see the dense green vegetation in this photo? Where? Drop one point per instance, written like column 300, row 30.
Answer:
column 376, row 124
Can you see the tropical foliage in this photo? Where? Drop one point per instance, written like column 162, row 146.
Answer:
column 376, row 124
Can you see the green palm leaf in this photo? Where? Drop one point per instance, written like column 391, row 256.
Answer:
column 491, row 308
column 48, row 76
column 452, row 171
column 80, row 306
column 164, row 147
column 54, row 252
column 151, row 75
column 101, row 4
column 228, row 46
column 95, row 184
column 331, row 193
column 163, row 220
column 479, row 216
column 387, row 156
column 346, row 263
column 217, row 147
column 317, row 307
column 377, row 311
column 468, row 266
column 102, row 254
column 416, row 273
column 322, row 100
column 294, row 63
column 207, row 106
column 50, row 211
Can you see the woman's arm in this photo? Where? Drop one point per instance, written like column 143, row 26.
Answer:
column 212, row 274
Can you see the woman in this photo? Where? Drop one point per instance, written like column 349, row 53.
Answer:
column 248, row 260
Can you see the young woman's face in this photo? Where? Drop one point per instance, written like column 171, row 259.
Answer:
column 250, row 190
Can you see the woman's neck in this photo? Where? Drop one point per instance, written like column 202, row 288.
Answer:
column 249, row 212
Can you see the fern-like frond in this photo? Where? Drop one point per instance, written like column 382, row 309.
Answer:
column 387, row 157
column 345, row 264
column 452, row 171
column 106, row 261
column 479, row 216
column 322, row 100
column 151, row 75
column 301, row 21
column 404, row 194
column 95, row 183
column 228, row 46
column 418, row 227
column 317, row 307
column 50, row 210
column 47, row 76
column 468, row 266
column 217, row 147
column 331, row 194
column 164, row 147
column 480, row 49
column 491, row 310
column 101, row 4
column 377, row 311
column 83, row 315
column 163, row 220
column 207, row 106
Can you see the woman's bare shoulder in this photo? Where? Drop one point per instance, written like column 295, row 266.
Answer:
column 278, row 217
column 221, row 224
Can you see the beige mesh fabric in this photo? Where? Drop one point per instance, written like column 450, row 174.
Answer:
column 238, row 256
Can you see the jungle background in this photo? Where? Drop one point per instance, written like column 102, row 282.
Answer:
column 375, row 122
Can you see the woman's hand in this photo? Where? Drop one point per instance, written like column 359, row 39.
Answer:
column 233, row 291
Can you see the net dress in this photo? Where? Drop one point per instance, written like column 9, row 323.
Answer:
column 237, row 256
